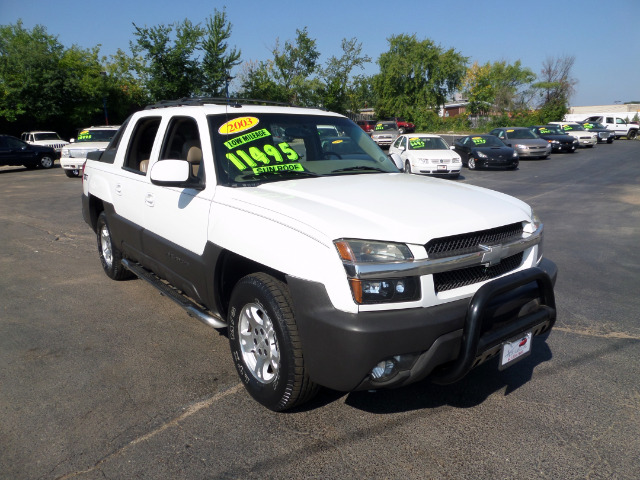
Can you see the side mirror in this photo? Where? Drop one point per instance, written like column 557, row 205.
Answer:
column 72, row 140
column 173, row 173
column 452, row 147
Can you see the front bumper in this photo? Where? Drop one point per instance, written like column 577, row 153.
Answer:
column 537, row 153
column 73, row 163
column 340, row 348
column 564, row 147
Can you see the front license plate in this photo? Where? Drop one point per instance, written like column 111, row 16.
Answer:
column 442, row 167
column 515, row 350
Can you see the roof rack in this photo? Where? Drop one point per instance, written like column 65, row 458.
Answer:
column 199, row 101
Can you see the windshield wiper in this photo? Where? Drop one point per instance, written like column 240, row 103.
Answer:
column 359, row 168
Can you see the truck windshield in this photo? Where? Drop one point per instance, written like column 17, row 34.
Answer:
column 256, row 148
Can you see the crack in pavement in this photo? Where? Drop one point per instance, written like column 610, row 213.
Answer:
column 193, row 409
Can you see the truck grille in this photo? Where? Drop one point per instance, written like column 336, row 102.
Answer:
column 444, row 281
column 468, row 242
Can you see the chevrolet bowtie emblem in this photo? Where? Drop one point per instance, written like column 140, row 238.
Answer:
column 492, row 255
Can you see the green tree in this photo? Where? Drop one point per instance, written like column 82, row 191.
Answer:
column 171, row 69
column 338, row 93
column 497, row 86
column 293, row 67
column 258, row 82
column 416, row 76
column 556, row 87
column 30, row 77
column 217, row 61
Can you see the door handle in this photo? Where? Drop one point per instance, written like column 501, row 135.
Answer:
column 119, row 189
column 149, row 199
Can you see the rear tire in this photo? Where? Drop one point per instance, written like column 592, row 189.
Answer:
column 632, row 134
column 265, row 344
column 72, row 173
column 110, row 256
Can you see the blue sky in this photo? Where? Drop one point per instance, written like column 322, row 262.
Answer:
column 603, row 35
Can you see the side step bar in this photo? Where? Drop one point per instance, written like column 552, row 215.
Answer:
column 191, row 307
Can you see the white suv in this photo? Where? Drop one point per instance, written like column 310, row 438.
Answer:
column 47, row 139
column 302, row 247
column 73, row 155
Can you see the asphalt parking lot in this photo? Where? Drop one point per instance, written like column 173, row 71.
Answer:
column 102, row 379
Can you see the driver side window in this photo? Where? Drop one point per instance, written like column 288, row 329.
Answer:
column 182, row 142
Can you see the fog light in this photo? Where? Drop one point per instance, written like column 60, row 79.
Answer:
column 384, row 370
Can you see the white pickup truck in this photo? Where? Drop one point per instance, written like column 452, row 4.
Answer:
column 294, row 243
column 617, row 124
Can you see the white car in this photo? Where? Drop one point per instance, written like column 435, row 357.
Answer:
column 576, row 130
column 73, row 156
column 425, row 154
column 47, row 139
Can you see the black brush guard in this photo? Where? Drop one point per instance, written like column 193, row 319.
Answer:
column 474, row 343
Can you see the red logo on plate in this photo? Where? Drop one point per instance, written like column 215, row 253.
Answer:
column 523, row 342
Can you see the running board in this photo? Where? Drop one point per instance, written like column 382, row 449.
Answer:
column 191, row 307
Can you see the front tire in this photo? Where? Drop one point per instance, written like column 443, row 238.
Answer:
column 471, row 163
column 265, row 344
column 407, row 167
column 110, row 256
column 46, row 161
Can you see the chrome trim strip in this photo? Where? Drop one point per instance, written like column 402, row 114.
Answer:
column 430, row 266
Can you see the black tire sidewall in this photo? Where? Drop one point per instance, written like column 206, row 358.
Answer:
column 116, row 271
column 273, row 395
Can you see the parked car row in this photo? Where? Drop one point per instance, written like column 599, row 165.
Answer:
column 428, row 154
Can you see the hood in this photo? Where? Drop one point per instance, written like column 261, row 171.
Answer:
column 508, row 151
column 559, row 137
column 530, row 142
column 389, row 207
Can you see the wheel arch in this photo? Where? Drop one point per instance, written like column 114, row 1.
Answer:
column 230, row 269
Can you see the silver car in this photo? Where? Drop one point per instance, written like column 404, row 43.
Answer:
column 385, row 133
column 527, row 143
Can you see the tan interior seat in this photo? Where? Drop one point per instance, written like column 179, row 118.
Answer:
column 144, row 166
column 194, row 157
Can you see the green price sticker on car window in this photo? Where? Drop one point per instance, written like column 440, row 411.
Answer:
column 567, row 127
column 545, row 130
column 588, row 126
column 256, row 157
column 416, row 143
column 478, row 140
column 246, row 138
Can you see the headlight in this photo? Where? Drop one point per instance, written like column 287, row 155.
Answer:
column 457, row 160
column 553, row 141
column 575, row 140
column 518, row 145
column 64, row 152
column 379, row 290
column 515, row 154
column 481, row 155
column 535, row 224
column 363, row 251
column 421, row 161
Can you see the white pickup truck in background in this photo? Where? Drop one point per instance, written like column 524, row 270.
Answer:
column 620, row 123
